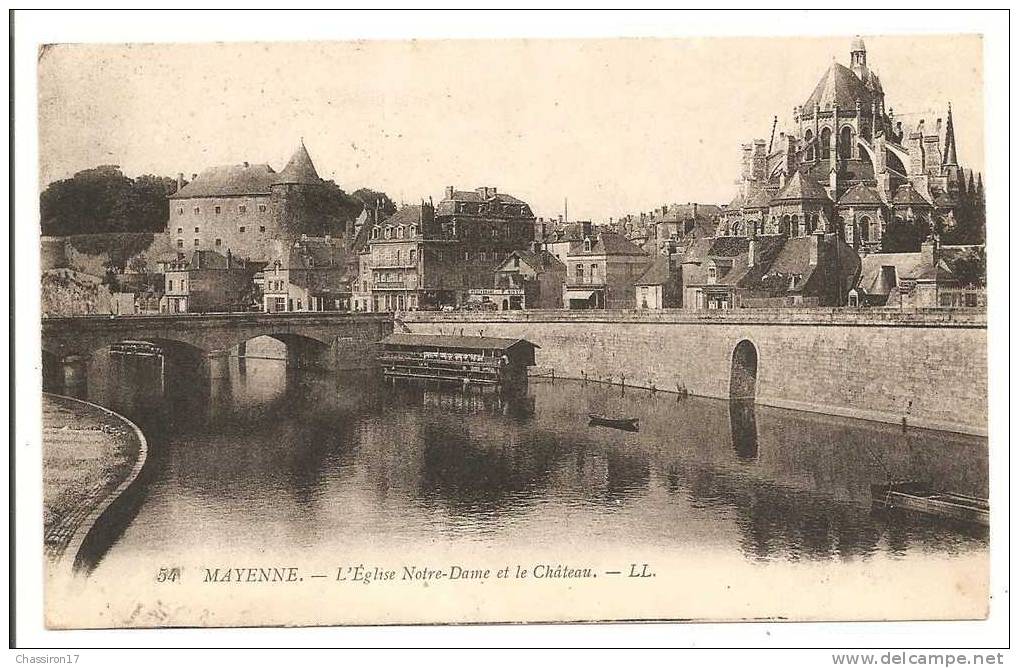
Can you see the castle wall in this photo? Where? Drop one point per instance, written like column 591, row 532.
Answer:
column 257, row 222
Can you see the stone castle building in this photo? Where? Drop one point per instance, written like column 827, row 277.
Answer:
column 850, row 166
column 240, row 208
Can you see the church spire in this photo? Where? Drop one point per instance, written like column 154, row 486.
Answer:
column 951, row 159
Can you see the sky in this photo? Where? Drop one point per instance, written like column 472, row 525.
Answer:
column 616, row 126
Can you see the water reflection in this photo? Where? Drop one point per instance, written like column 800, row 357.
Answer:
column 261, row 456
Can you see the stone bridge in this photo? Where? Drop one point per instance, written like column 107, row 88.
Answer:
column 319, row 339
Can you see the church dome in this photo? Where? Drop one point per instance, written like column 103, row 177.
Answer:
column 839, row 86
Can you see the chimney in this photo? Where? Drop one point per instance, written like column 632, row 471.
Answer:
column 752, row 253
column 449, row 192
column 180, row 180
column 194, row 176
column 246, row 164
column 587, row 228
column 695, row 209
column 229, row 258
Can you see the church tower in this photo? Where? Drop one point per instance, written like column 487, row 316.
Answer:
column 858, row 58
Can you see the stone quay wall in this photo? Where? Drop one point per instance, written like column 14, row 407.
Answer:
column 927, row 367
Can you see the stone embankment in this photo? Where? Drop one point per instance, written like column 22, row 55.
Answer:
column 91, row 456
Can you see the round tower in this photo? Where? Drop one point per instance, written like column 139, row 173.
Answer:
column 292, row 193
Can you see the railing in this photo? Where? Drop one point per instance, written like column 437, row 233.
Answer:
column 585, row 282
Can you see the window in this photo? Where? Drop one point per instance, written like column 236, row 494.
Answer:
column 261, row 228
column 712, row 273
column 389, row 232
column 375, row 233
column 180, row 230
column 808, row 140
column 169, row 285
column 242, row 229
column 413, row 254
column 219, row 242
column 196, row 230
column 242, row 209
column 180, row 243
column 587, row 245
column 180, row 211
column 594, row 271
column 580, row 271
column 825, row 143
column 196, row 242
column 413, row 230
column 399, row 232
column 217, row 209
column 846, row 143
column 261, row 208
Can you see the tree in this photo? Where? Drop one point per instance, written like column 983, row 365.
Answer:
column 370, row 198
column 102, row 199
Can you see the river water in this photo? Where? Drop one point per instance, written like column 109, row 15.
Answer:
column 320, row 470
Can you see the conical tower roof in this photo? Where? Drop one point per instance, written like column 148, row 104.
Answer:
column 799, row 188
column 839, row 86
column 300, row 169
column 950, row 154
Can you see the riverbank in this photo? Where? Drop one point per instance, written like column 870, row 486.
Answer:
column 90, row 457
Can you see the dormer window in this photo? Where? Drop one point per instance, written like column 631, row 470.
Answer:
column 389, row 232
column 587, row 245
column 399, row 232
column 712, row 273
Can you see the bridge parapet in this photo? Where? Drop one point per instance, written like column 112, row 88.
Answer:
column 806, row 316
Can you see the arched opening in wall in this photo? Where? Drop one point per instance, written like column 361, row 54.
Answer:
column 794, row 230
column 865, row 229
column 743, row 375
column 846, row 143
column 825, row 143
column 783, row 225
column 808, row 140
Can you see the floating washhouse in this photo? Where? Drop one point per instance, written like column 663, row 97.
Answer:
column 482, row 361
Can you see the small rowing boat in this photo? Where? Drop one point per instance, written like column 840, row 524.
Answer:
column 919, row 498
column 627, row 424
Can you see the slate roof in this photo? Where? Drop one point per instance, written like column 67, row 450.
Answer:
column 540, row 261
column 659, row 273
column 799, row 188
column 447, row 206
column 410, row 214
column 760, row 200
column 300, row 169
column 861, row 194
column 839, row 86
column 454, row 342
column 906, row 194
column 228, row 181
column 610, row 243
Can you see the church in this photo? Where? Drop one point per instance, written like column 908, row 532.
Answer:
column 849, row 166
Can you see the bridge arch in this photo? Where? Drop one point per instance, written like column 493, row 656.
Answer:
column 743, row 371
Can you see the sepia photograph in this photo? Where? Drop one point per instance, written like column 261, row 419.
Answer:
column 433, row 331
